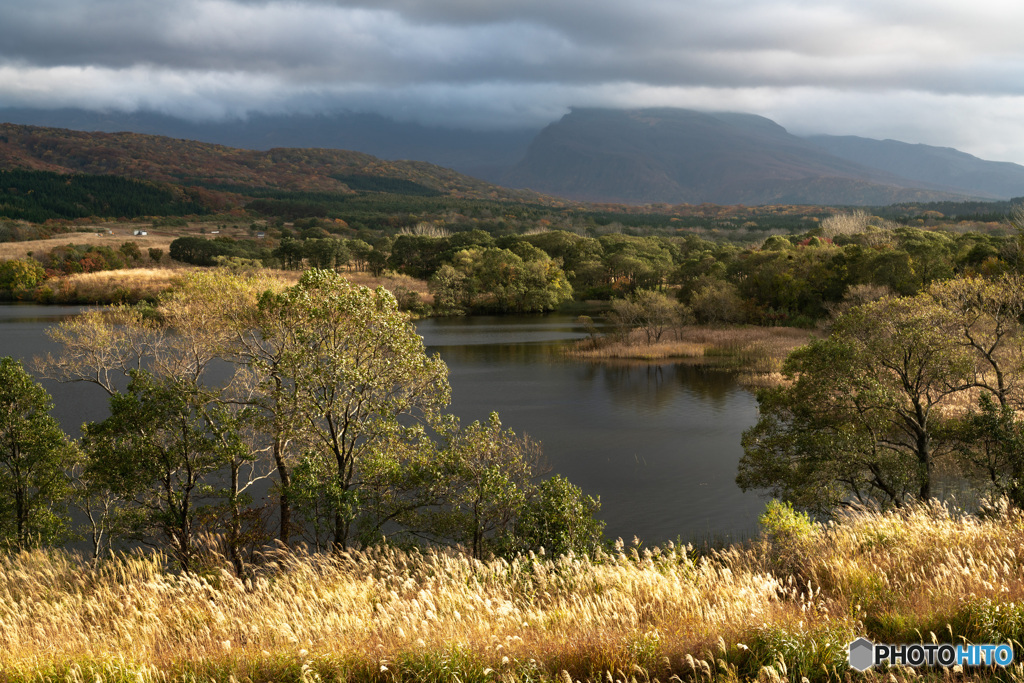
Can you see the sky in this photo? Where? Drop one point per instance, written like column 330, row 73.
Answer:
column 941, row 72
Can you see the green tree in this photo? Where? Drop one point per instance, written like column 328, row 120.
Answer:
column 863, row 417
column 501, row 279
column 35, row 457
column 290, row 252
column 716, row 301
column 130, row 250
column 989, row 445
column 986, row 315
column 159, row 450
column 201, row 323
column 492, row 471
column 356, row 368
column 448, row 286
column 18, row 275
column 560, row 518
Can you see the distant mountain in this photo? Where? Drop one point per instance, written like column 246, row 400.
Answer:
column 684, row 156
column 482, row 154
column 630, row 156
column 226, row 170
column 938, row 166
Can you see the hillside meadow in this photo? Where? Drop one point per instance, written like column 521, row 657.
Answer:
column 780, row 608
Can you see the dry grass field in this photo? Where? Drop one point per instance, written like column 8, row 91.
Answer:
column 121, row 234
column 782, row 608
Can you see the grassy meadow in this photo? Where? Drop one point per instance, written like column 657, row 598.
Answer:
column 782, row 608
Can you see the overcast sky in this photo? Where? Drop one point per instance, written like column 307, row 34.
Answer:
column 945, row 72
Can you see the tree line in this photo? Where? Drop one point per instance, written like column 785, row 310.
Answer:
column 784, row 280
column 321, row 393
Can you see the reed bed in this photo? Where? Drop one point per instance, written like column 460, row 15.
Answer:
column 781, row 608
column 757, row 353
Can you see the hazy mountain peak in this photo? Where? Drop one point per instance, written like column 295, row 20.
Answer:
column 685, row 156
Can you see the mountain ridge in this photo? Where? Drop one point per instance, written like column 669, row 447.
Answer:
column 224, row 169
column 939, row 166
column 679, row 155
column 631, row 156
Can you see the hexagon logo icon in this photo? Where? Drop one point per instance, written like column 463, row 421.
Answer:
column 862, row 655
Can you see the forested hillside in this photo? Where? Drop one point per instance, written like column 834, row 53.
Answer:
column 222, row 168
column 37, row 196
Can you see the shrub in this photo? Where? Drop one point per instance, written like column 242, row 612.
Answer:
column 560, row 519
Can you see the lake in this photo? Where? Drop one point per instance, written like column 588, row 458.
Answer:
column 658, row 443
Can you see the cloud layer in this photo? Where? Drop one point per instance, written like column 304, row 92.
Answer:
column 936, row 71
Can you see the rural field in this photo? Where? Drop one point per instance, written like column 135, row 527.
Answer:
column 98, row 236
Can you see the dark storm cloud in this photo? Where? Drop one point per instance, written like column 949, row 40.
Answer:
column 528, row 60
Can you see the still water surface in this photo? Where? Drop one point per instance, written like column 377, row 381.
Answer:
column 658, row 443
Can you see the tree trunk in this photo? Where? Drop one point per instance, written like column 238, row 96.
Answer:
column 285, row 504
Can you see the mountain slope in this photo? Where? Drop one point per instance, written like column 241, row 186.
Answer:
column 678, row 155
column 484, row 154
column 217, row 167
column 939, row 166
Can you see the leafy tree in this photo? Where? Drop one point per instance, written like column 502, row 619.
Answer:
column 491, row 470
column 197, row 321
column 360, row 251
column 990, row 447
column 331, row 388
column 357, row 368
column 130, row 250
column 659, row 313
column 863, row 416
column 987, row 318
column 328, row 252
column 290, row 252
column 499, row 278
column 35, row 456
column 21, row 274
column 716, row 301
column 159, row 450
column 560, row 518
column 448, row 286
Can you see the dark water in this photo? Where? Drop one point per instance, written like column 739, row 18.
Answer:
column 658, row 443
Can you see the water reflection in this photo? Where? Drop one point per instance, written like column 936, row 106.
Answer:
column 34, row 313
column 656, row 385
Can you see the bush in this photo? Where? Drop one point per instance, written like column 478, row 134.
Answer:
column 790, row 535
column 560, row 519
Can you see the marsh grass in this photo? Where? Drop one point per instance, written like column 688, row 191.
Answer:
column 756, row 353
column 778, row 608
